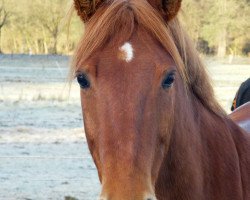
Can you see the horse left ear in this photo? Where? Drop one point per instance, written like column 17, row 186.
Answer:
column 168, row 8
column 86, row 8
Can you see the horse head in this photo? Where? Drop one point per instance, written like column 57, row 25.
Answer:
column 130, row 67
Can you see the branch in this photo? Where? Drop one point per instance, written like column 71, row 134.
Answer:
column 5, row 16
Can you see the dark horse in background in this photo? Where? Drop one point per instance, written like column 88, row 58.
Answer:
column 153, row 125
column 241, row 106
column 242, row 96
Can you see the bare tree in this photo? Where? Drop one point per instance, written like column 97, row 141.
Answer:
column 52, row 25
column 3, row 21
column 49, row 15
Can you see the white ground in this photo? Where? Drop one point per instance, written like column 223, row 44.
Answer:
column 43, row 151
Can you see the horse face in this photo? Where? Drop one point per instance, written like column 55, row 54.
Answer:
column 128, row 94
column 129, row 83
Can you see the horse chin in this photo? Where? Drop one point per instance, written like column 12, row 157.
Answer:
column 146, row 197
column 127, row 191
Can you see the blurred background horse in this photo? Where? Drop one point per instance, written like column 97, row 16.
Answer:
column 242, row 96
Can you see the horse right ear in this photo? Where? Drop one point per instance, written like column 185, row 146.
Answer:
column 168, row 8
column 87, row 8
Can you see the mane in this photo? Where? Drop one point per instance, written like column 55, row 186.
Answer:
column 125, row 16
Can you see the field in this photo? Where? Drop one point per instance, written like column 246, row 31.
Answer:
column 43, row 151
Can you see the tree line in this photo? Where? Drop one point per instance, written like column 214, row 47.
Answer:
column 218, row 27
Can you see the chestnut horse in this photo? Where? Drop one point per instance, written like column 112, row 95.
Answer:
column 153, row 126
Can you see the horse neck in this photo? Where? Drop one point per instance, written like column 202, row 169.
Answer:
column 203, row 153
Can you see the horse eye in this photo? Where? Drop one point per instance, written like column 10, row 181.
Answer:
column 83, row 81
column 168, row 81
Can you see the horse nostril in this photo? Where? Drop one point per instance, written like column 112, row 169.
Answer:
column 151, row 198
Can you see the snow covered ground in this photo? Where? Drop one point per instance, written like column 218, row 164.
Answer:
column 43, row 151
